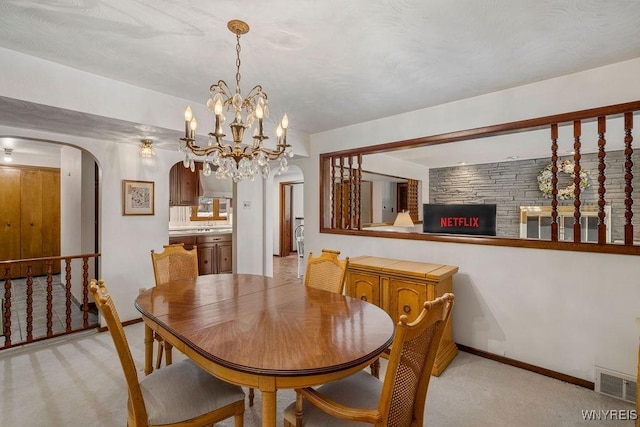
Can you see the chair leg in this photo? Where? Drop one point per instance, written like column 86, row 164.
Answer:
column 251, row 396
column 299, row 410
column 159, row 356
column 375, row 368
column 167, row 352
column 238, row 420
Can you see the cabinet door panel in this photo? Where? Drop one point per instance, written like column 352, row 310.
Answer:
column 31, row 219
column 365, row 287
column 205, row 261
column 10, row 217
column 407, row 298
column 225, row 261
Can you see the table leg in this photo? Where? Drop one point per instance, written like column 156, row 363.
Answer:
column 148, row 350
column 269, row 408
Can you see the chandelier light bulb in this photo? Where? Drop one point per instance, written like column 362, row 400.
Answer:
column 259, row 111
column 217, row 109
column 279, row 130
column 188, row 114
column 285, row 122
column 193, row 124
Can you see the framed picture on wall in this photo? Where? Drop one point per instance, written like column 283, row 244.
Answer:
column 137, row 197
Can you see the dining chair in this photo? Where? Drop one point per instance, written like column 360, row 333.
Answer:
column 182, row 394
column 173, row 263
column 326, row 271
column 399, row 400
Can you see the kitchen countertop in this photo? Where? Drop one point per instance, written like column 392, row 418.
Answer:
column 203, row 231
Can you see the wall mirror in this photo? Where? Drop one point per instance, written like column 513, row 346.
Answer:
column 510, row 165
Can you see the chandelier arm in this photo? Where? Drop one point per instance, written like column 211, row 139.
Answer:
column 223, row 89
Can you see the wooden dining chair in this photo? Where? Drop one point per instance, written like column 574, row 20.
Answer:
column 182, row 394
column 326, row 272
column 400, row 399
column 173, row 263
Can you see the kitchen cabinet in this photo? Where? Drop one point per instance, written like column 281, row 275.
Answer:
column 400, row 288
column 184, row 185
column 215, row 251
column 214, row 254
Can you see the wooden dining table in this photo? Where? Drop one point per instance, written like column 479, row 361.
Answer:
column 256, row 331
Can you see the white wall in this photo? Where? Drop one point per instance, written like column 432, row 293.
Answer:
column 564, row 311
column 71, row 213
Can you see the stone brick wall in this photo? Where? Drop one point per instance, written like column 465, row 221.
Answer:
column 513, row 184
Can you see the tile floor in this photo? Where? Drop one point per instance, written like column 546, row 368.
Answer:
column 39, row 305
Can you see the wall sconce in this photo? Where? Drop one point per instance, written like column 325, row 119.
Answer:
column 146, row 150
column 7, row 155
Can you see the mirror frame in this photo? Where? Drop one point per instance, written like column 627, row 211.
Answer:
column 547, row 122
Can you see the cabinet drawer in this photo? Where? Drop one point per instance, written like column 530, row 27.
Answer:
column 213, row 238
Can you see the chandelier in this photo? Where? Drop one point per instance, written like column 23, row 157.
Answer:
column 235, row 160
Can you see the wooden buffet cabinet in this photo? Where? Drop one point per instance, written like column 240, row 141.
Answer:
column 401, row 287
column 214, row 251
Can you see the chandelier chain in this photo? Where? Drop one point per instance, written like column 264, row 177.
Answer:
column 238, row 62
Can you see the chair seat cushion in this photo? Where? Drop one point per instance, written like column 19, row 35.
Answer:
column 182, row 391
column 361, row 391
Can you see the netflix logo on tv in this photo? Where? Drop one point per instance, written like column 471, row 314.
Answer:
column 459, row 219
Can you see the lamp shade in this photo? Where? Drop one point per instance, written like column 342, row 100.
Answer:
column 403, row 220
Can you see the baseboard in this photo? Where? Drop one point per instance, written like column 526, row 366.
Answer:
column 522, row 365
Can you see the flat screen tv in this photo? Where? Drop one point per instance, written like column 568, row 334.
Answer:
column 459, row 219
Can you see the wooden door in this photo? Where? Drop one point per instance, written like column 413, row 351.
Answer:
column 407, row 298
column 31, row 219
column 206, row 261
column 224, row 255
column 10, row 217
column 286, row 189
column 364, row 286
column 184, row 185
column 51, row 217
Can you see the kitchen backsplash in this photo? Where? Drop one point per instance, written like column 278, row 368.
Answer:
column 179, row 217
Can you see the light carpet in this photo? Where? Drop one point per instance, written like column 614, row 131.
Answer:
column 78, row 381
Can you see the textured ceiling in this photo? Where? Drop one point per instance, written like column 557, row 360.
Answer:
column 326, row 63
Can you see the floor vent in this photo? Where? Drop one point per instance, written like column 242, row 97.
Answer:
column 615, row 384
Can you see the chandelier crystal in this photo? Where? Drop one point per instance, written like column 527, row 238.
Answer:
column 146, row 149
column 235, row 160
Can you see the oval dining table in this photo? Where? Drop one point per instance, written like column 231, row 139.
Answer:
column 256, row 331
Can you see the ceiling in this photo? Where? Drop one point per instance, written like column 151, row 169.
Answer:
column 326, row 63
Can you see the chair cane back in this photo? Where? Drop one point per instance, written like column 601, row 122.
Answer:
column 173, row 263
column 326, row 272
column 182, row 394
column 400, row 399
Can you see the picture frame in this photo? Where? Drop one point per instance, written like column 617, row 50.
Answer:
column 138, row 197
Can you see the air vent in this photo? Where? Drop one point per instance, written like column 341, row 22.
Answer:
column 616, row 384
